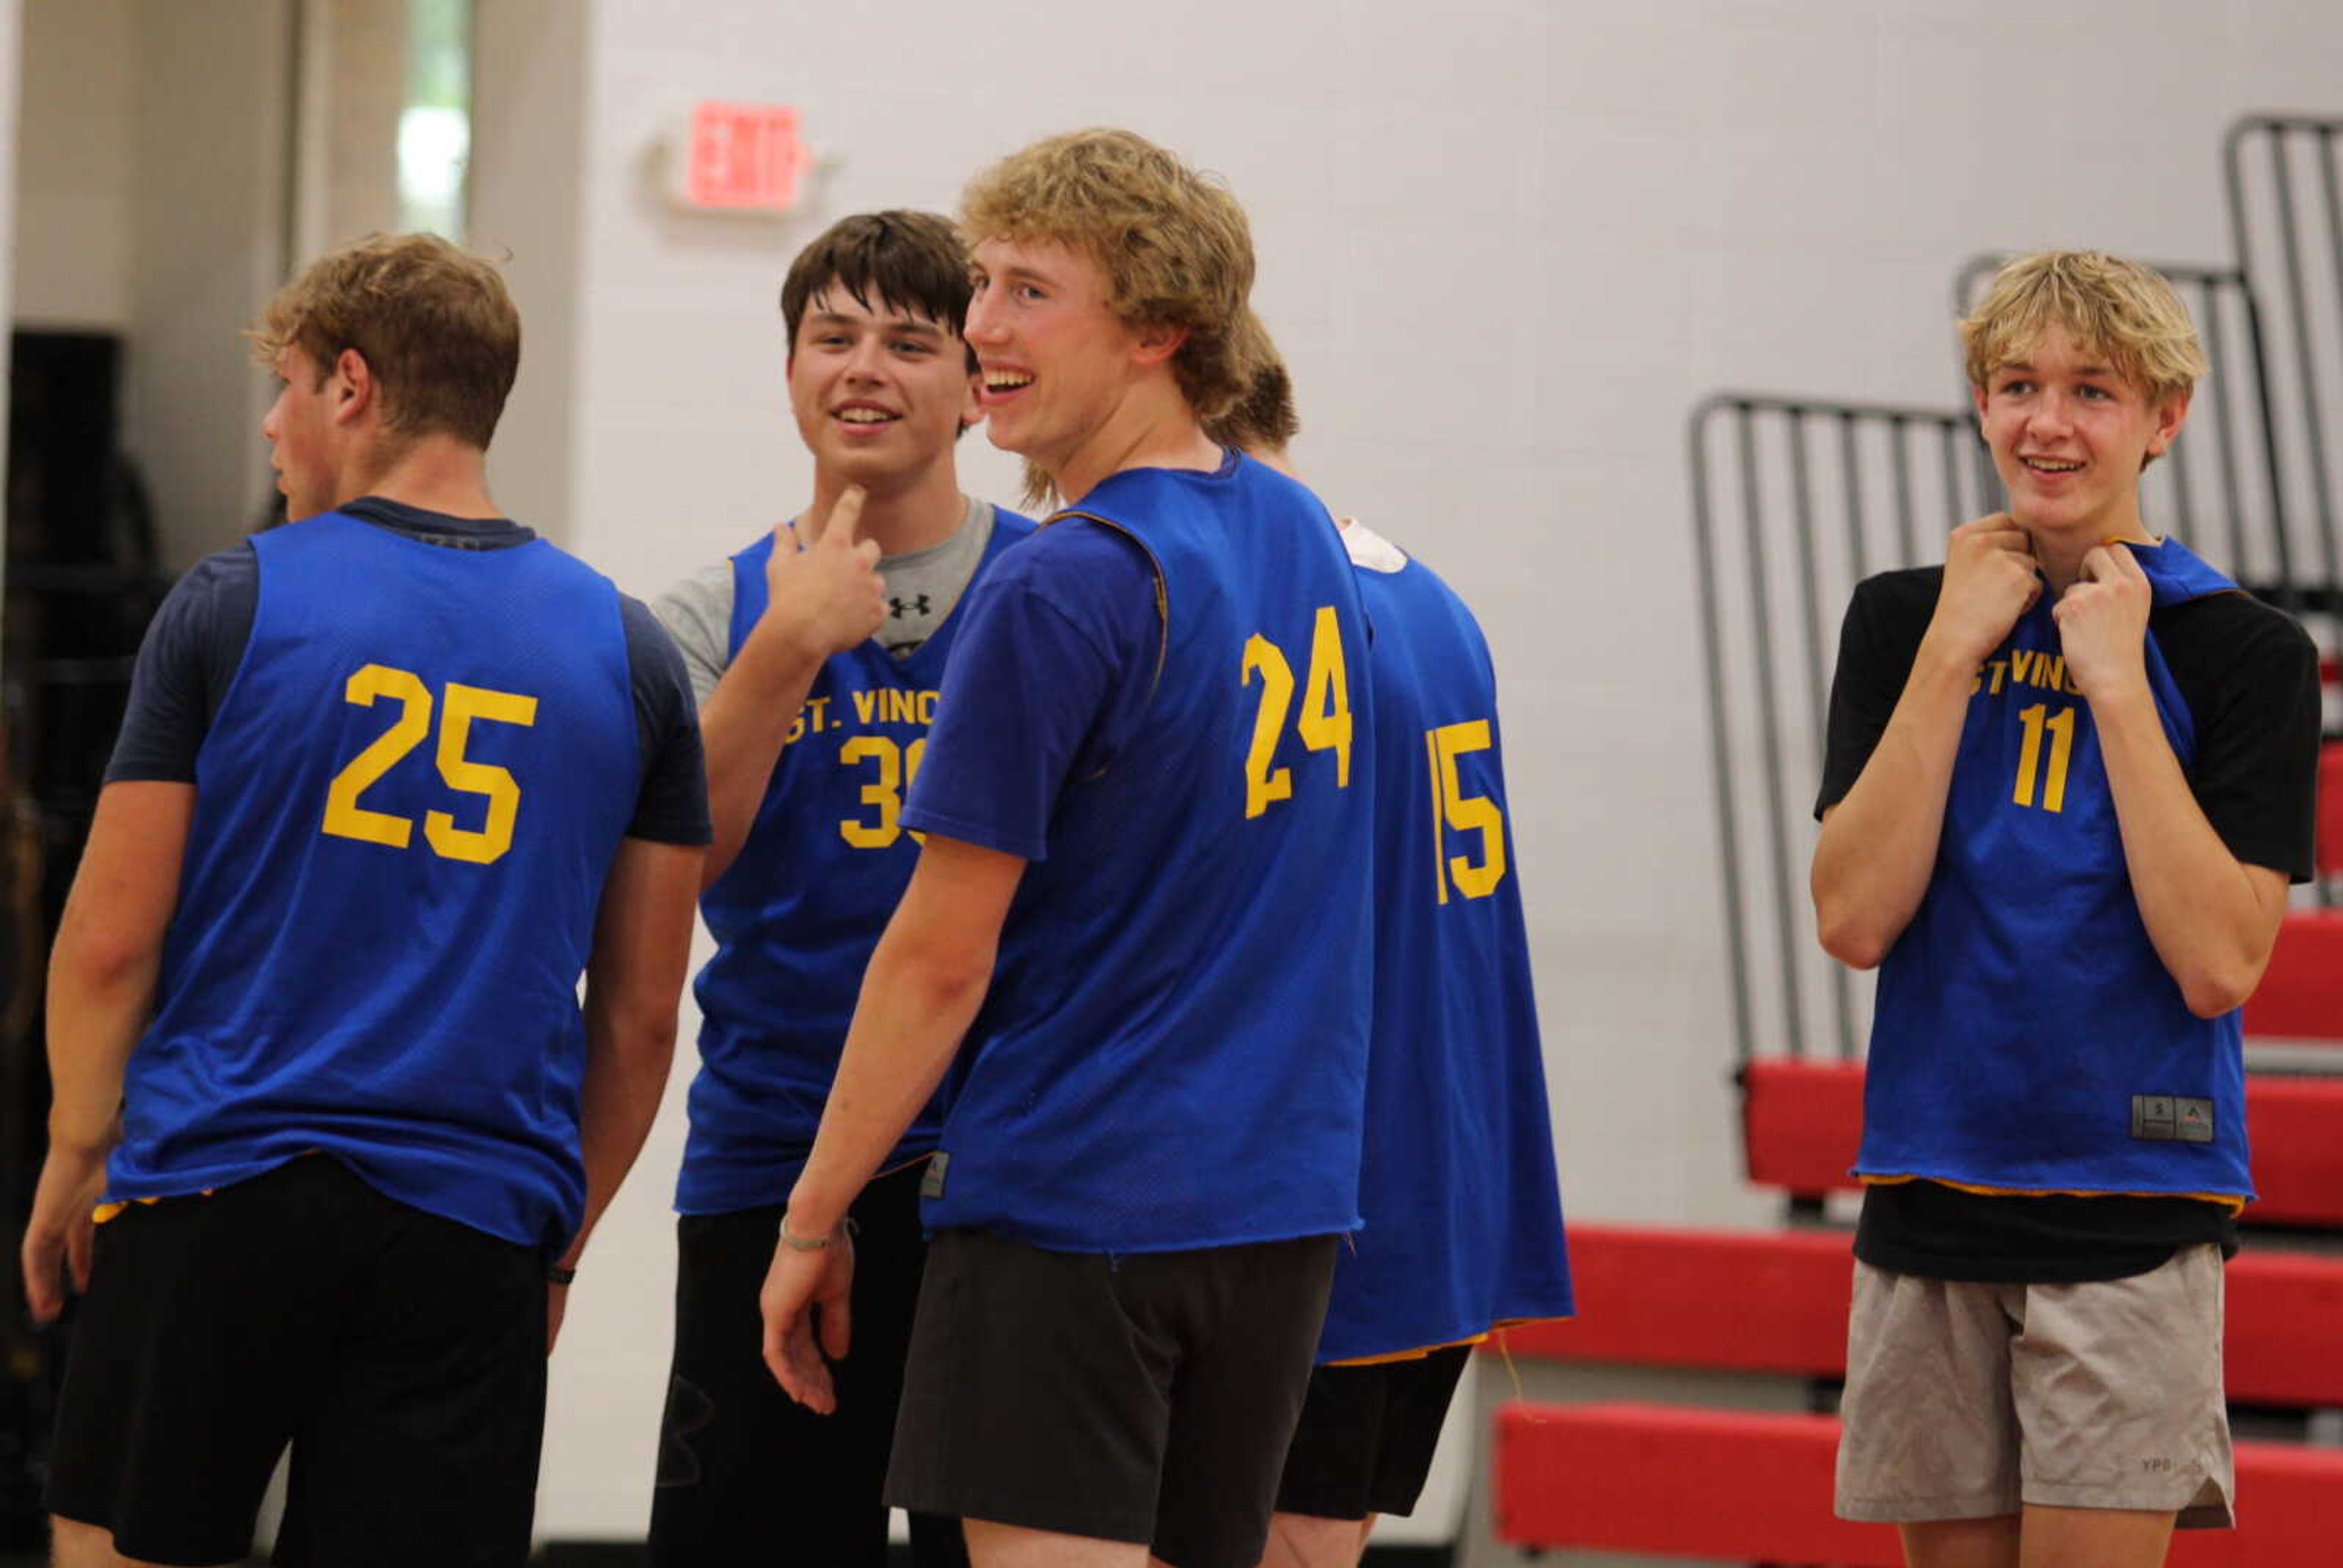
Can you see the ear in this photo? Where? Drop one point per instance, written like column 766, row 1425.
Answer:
column 353, row 386
column 1156, row 343
column 2170, row 415
column 971, row 407
column 1977, row 397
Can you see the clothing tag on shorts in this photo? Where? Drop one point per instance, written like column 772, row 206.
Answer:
column 932, row 1185
column 2171, row 1119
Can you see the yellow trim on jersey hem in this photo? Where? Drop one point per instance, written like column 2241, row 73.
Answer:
column 120, row 1206
column 1421, row 1351
column 2229, row 1201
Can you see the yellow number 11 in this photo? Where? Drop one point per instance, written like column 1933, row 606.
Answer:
column 2036, row 719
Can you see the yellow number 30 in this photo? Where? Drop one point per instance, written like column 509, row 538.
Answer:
column 346, row 818
column 1325, row 721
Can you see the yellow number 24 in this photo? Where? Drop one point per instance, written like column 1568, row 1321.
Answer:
column 460, row 706
column 1325, row 721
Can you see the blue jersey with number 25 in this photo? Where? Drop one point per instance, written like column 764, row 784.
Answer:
column 405, row 810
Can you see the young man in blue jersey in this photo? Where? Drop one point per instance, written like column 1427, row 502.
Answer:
column 1143, row 900
column 2070, row 774
column 1463, row 1214
column 814, row 729
column 391, row 777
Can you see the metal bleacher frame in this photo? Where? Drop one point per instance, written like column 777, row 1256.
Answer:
column 1794, row 499
column 1797, row 499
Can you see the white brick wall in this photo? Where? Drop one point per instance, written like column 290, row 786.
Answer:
column 1506, row 244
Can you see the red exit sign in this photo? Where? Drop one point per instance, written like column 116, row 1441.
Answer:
column 743, row 157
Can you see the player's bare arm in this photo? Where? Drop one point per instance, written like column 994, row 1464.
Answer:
column 102, row 974
column 2213, row 919
column 1879, row 845
column 824, row 596
column 926, row 981
column 634, row 975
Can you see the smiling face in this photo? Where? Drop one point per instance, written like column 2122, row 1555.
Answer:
column 2069, row 433
column 1055, row 360
column 879, row 392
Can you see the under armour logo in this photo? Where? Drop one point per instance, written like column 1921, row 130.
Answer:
column 918, row 606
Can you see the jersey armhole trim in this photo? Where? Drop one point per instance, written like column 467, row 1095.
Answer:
column 1162, row 611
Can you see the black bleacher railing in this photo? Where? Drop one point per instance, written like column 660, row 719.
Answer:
column 2280, row 169
column 1796, row 501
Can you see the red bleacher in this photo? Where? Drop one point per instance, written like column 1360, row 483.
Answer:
column 2301, row 994
column 1776, row 1303
column 1742, row 1486
column 1735, row 1486
column 1801, row 1121
column 1739, row 1485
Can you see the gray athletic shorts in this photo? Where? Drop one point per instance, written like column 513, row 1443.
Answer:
column 1967, row 1400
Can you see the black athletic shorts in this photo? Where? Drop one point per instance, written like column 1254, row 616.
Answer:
column 1367, row 1434
column 400, row 1353
column 1143, row 1397
column 746, row 1474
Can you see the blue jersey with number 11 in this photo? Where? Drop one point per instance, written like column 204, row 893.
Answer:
column 2026, row 1037
column 1463, row 1218
column 405, row 810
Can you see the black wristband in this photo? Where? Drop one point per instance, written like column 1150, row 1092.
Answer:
column 555, row 1274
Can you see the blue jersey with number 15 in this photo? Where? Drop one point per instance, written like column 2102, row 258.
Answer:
column 404, row 812
column 1463, row 1218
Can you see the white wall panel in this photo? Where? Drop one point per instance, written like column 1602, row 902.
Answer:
column 1507, row 245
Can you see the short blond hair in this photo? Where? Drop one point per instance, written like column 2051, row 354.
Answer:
column 1172, row 242
column 2111, row 306
column 433, row 324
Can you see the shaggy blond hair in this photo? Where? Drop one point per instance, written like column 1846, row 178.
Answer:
column 1264, row 418
column 2110, row 306
column 433, row 324
column 1171, row 242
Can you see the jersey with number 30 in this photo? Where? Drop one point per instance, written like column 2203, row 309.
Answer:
column 1172, row 1054
column 1463, row 1218
column 796, row 914
column 2026, row 1037
column 405, row 810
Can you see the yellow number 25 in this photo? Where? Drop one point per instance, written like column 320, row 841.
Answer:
column 460, row 706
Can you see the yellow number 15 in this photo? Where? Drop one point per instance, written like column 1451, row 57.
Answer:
column 1454, row 812
column 1325, row 721
column 462, row 705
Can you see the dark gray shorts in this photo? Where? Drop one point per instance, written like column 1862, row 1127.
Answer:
column 1969, row 1400
column 1147, row 1397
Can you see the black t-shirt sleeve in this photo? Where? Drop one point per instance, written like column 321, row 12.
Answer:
column 673, row 805
column 1876, row 644
column 2249, row 675
column 187, row 662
